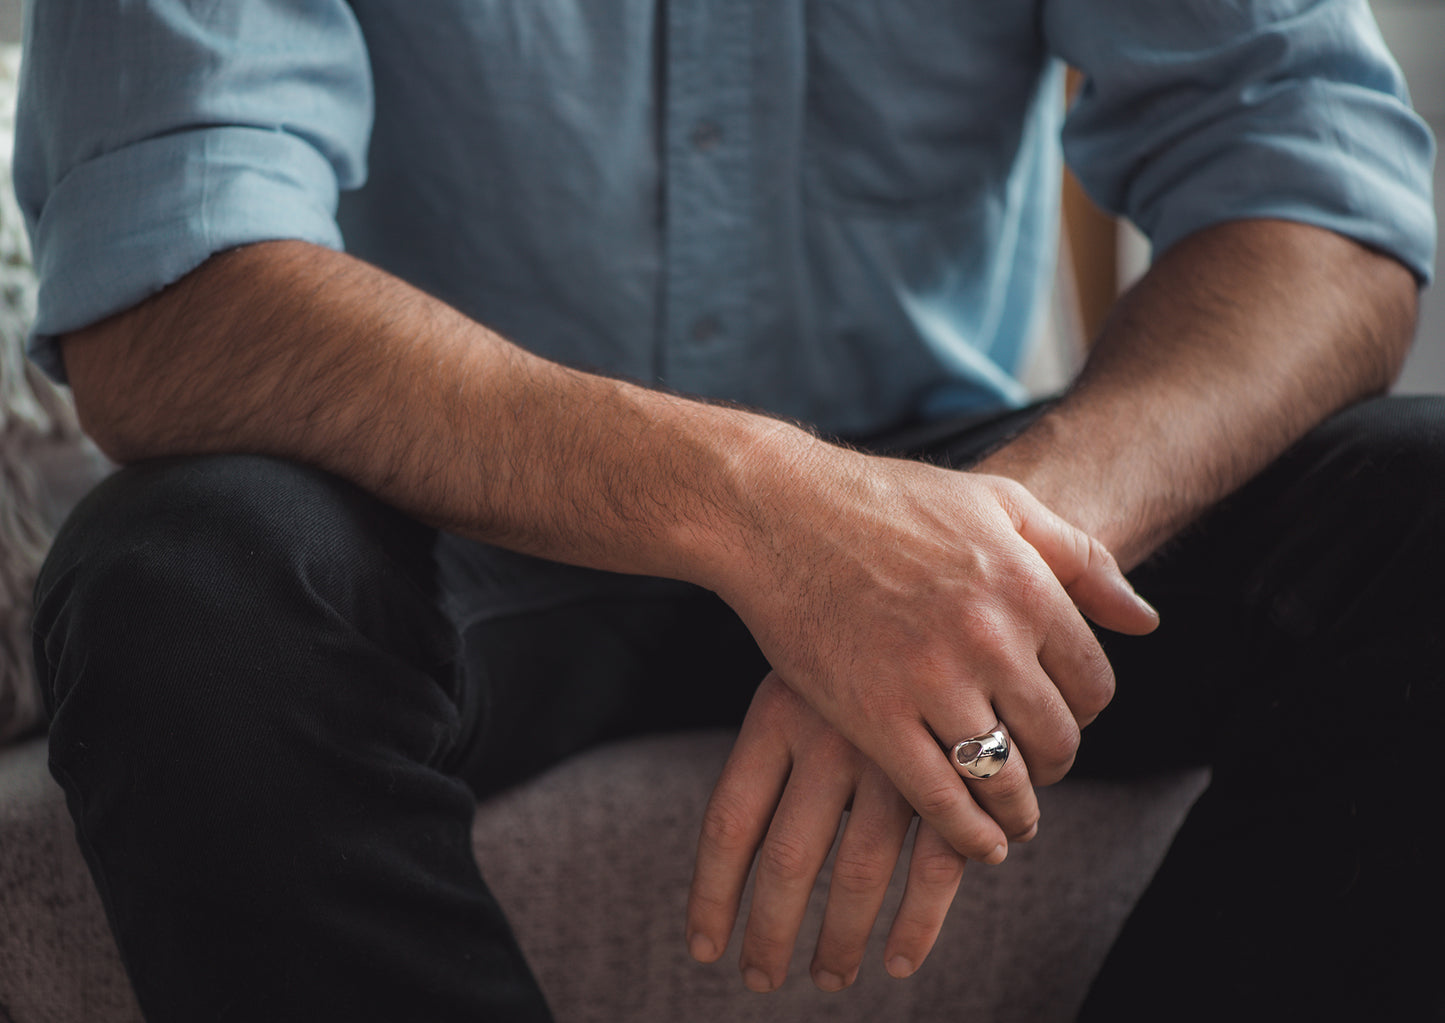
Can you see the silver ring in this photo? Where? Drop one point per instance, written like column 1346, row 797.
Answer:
column 983, row 756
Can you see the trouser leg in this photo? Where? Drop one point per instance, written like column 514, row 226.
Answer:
column 234, row 632
column 271, row 722
column 256, row 705
column 1300, row 655
column 628, row 656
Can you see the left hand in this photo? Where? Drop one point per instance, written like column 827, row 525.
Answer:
column 785, row 787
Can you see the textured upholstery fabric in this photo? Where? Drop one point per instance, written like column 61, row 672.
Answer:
column 57, row 960
column 34, row 419
column 592, row 861
column 37, row 428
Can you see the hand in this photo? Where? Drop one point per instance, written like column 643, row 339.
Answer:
column 790, row 777
column 913, row 606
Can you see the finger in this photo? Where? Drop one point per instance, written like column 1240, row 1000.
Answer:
column 733, row 825
column 933, row 875
column 923, row 773
column 798, row 841
column 1008, row 797
column 1042, row 728
column 867, row 854
column 1085, row 567
column 1072, row 657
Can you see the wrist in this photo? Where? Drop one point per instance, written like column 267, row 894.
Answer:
column 738, row 534
column 1071, row 481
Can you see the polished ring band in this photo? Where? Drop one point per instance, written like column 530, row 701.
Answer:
column 983, row 756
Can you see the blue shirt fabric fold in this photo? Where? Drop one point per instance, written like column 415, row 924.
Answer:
column 843, row 211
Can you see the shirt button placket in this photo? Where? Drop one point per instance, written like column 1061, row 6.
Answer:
column 706, row 193
column 707, row 135
column 705, row 329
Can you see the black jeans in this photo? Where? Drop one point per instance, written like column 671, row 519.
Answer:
column 275, row 701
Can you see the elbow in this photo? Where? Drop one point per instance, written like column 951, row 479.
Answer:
column 103, row 391
column 102, row 431
column 1396, row 321
column 1378, row 301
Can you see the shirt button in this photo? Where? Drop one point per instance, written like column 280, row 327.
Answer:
column 706, row 328
column 706, row 136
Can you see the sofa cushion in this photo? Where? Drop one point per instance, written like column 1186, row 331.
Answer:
column 592, row 862
column 38, row 434
column 59, row 961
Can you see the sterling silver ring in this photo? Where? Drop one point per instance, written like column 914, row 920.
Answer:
column 983, row 756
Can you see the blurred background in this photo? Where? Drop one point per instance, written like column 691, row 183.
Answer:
column 1415, row 30
column 1107, row 256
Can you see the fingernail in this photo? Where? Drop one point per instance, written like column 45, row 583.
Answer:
column 702, row 948
column 997, row 856
column 1144, row 605
column 900, row 967
column 829, row 981
column 757, row 980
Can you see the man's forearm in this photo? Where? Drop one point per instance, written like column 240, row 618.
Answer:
column 901, row 601
column 287, row 349
column 1237, row 342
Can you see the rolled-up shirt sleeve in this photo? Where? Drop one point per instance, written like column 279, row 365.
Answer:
column 152, row 134
column 1200, row 111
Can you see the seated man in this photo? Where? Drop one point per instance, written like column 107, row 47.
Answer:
column 598, row 423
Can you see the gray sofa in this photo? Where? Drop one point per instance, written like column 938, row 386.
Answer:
column 593, row 860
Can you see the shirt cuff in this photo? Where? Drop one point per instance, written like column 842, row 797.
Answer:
column 1366, row 176
column 119, row 228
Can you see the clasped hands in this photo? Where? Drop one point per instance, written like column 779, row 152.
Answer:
column 909, row 608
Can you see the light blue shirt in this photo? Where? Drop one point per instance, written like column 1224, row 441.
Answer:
column 843, row 211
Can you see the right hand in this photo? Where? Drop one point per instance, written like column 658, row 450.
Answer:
column 913, row 606
column 779, row 801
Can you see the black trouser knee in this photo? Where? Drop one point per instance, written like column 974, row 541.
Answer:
column 1301, row 655
column 254, row 699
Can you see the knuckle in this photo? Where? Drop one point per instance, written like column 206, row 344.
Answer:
column 938, row 869
column 1057, row 750
column 838, row 957
column 1030, row 827
column 1100, row 557
column 1083, row 675
column 1052, row 774
column 1099, row 692
column 787, row 860
column 726, row 825
column 706, row 905
column 937, row 800
column 911, row 937
column 973, row 841
column 1075, row 549
column 1022, row 813
column 990, row 632
column 765, row 949
column 1036, row 593
column 860, row 875
column 1016, row 809
column 871, row 832
column 1011, row 493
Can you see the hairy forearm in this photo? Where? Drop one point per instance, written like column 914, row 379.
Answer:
column 291, row 350
column 1237, row 342
column 901, row 601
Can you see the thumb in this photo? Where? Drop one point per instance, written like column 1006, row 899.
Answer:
column 1083, row 565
